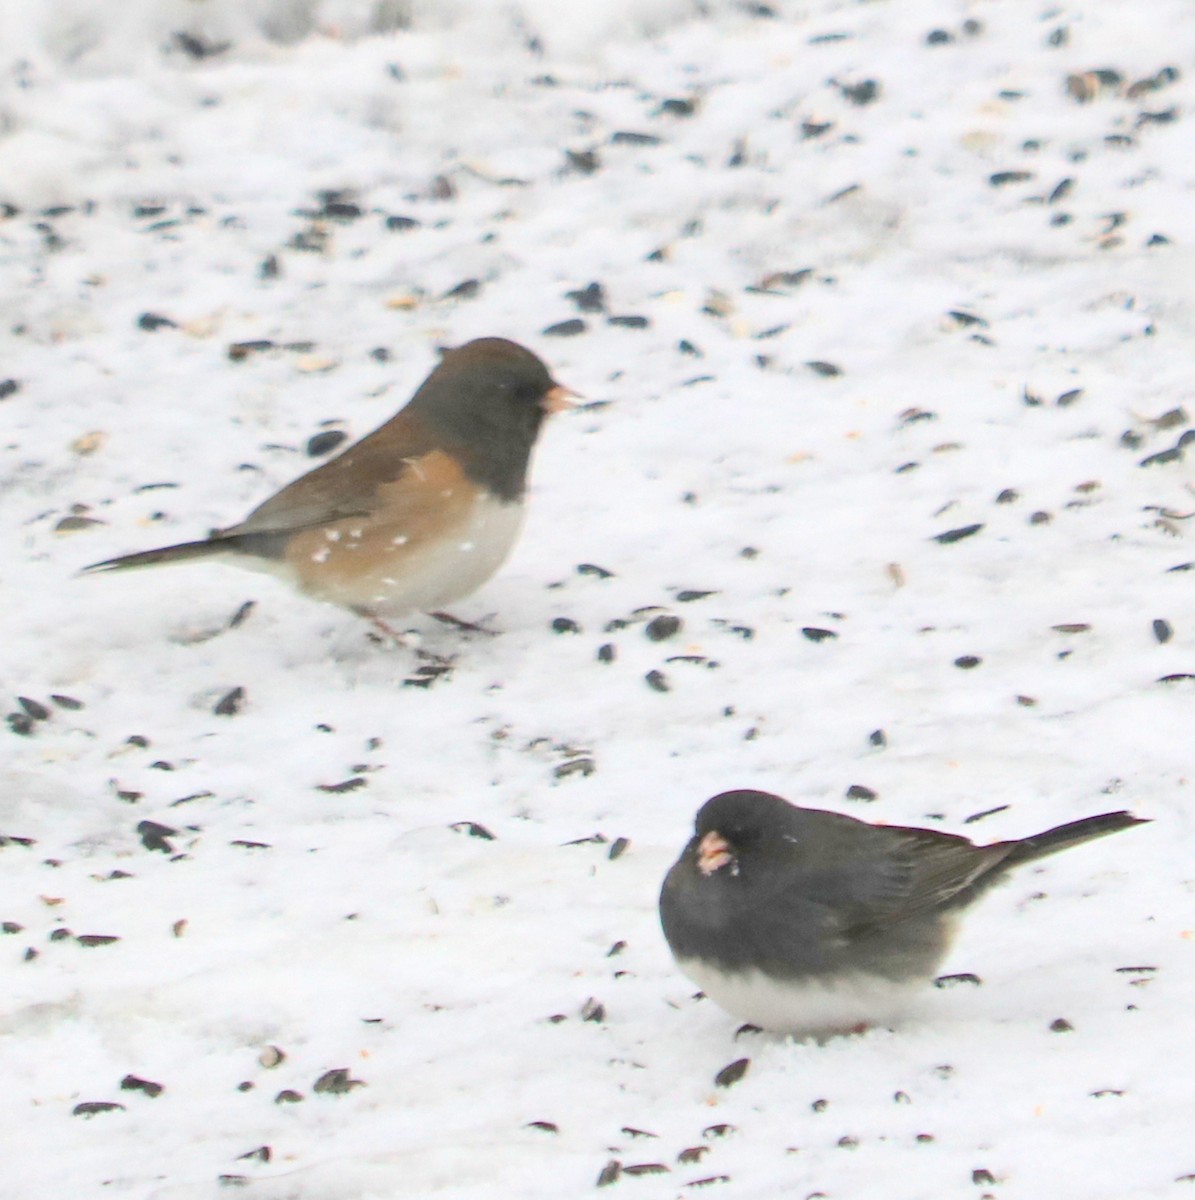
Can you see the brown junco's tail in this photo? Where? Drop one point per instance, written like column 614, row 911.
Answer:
column 1071, row 834
column 182, row 552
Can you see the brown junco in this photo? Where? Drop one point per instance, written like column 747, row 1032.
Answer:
column 415, row 515
column 809, row 922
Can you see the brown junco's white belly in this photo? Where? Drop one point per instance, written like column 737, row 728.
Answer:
column 803, row 1007
column 389, row 569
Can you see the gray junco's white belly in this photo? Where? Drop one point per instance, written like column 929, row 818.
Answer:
column 804, row 1008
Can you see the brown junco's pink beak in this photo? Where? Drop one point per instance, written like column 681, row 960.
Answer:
column 559, row 398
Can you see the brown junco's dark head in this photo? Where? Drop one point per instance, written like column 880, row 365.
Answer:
column 415, row 515
column 810, row 922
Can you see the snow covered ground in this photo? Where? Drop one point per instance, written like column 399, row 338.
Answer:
column 899, row 270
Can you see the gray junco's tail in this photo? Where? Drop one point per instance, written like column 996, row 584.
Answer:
column 1071, row 834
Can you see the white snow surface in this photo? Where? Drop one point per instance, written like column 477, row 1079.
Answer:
column 995, row 274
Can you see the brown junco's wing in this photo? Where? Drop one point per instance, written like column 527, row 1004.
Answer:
column 347, row 486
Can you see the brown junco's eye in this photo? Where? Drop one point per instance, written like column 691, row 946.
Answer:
column 417, row 514
column 832, row 923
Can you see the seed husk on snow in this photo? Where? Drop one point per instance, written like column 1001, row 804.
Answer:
column 732, row 1073
column 131, row 1083
column 336, row 1082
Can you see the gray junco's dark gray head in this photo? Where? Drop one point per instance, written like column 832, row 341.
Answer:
column 805, row 921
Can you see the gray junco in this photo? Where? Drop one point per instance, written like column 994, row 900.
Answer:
column 810, row 922
column 415, row 515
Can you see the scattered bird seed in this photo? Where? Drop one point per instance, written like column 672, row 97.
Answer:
column 826, row 370
column 152, row 322
column 957, row 535
column 465, row 290
column 90, row 1108
column 609, row 1173
column 346, row 785
column 864, row 92
column 8, row 387
column 814, row 634
column 324, row 443
column 688, row 595
column 96, row 939
column 230, row 703
column 1061, row 1025
column 593, row 1010
column 37, row 710
column 239, row 351
column 945, row 981
column 590, row 299
column 565, row 625
column 626, row 137
column 582, row 766
column 967, row 662
column 647, row 1168
column 584, row 162
column 1162, row 630
column 660, row 628
column 594, row 569
column 260, row 1154
column 67, row 702
column 878, row 738
column 658, row 681
column 336, row 1082
column 271, row 1056
column 858, row 791
column 288, row 1096
column 606, row 652
column 987, row 812
column 473, row 829
column 1004, row 178
column 20, row 724
column 618, row 847
column 154, row 836
column 131, row 1083
column 570, row 328
column 732, row 1073
column 629, row 322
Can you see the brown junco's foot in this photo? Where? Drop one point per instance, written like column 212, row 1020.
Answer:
column 414, row 516
column 810, row 922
